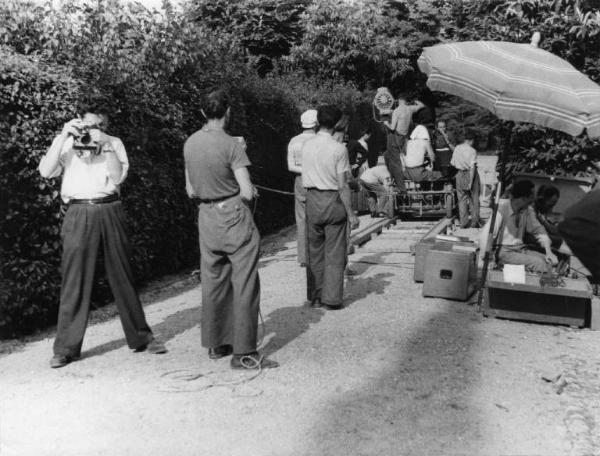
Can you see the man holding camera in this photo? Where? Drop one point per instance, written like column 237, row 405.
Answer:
column 93, row 165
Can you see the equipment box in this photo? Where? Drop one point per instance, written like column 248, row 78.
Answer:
column 423, row 247
column 566, row 305
column 450, row 271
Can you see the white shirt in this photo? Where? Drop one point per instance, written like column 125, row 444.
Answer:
column 463, row 157
column 323, row 159
column 86, row 176
column 377, row 175
column 416, row 149
column 294, row 155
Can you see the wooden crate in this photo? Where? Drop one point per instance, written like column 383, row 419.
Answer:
column 568, row 305
column 450, row 271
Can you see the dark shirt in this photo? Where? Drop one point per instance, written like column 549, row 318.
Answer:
column 425, row 116
column 211, row 157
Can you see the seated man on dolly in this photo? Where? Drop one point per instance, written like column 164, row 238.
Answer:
column 515, row 218
column 418, row 148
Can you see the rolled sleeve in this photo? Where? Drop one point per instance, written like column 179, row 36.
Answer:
column 121, row 154
column 238, row 158
column 343, row 164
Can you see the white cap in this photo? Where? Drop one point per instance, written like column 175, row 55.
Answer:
column 308, row 119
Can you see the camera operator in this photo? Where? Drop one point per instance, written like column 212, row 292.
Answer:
column 93, row 166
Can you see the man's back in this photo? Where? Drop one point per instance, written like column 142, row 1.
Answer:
column 211, row 156
column 323, row 158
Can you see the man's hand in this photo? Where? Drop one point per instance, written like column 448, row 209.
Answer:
column 71, row 127
column 99, row 137
column 354, row 222
column 551, row 258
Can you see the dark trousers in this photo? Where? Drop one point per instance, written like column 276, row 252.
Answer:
column 326, row 224
column 84, row 228
column 229, row 249
column 467, row 193
column 379, row 199
column 395, row 146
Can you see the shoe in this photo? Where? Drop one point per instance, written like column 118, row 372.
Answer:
column 373, row 214
column 329, row 307
column 350, row 272
column 60, row 361
column 220, row 352
column 153, row 347
column 252, row 361
column 316, row 303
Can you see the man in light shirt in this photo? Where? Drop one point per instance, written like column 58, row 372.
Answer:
column 515, row 218
column 464, row 159
column 308, row 119
column 93, row 166
column 378, row 183
column 325, row 170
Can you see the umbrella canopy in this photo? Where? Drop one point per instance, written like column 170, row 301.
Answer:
column 517, row 82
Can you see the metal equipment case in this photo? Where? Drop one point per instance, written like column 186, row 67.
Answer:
column 568, row 305
column 423, row 247
column 450, row 271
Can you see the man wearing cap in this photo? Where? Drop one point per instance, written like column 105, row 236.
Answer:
column 308, row 119
column 325, row 170
column 92, row 174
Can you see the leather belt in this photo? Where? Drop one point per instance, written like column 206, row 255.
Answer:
column 415, row 167
column 103, row 200
column 215, row 200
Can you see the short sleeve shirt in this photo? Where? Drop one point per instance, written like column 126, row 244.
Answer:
column 211, row 157
column 463, row 157
column 87, row 176
column 323, row 158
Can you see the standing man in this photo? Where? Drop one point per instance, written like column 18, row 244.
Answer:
column 93, row 165
column 399, row 128
column 217, row 178
column 464, row 159
column 443, row 145
column 325, row 170
column 308, row 119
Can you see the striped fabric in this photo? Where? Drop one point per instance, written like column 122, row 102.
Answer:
column 517, row 82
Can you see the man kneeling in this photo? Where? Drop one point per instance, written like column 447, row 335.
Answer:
column 515, row 218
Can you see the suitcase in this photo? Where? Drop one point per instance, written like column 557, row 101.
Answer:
column 567, row 305
column 450, row 271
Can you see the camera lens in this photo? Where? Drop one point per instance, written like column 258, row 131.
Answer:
column 85, row 138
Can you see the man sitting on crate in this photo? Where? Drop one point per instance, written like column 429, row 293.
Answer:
column 515, row 218
column 377, row 181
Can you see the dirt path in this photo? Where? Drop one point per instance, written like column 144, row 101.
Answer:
column 391, row 374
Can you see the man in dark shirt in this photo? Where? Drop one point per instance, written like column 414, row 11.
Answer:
column 217, row 178
column 580, row 229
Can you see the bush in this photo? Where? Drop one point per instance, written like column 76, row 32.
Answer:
column 34, row 99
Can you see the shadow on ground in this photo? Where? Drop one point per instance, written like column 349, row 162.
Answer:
column 417, row 405
column 170, row 327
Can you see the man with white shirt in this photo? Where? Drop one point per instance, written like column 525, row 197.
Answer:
column 464, row 159
column 325, row 170
column 308, row 119
column 93, row 165
column 378, row 183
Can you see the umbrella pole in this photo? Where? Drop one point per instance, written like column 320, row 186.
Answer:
column 490, row 238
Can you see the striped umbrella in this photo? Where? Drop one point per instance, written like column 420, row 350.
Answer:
column 517, row 82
